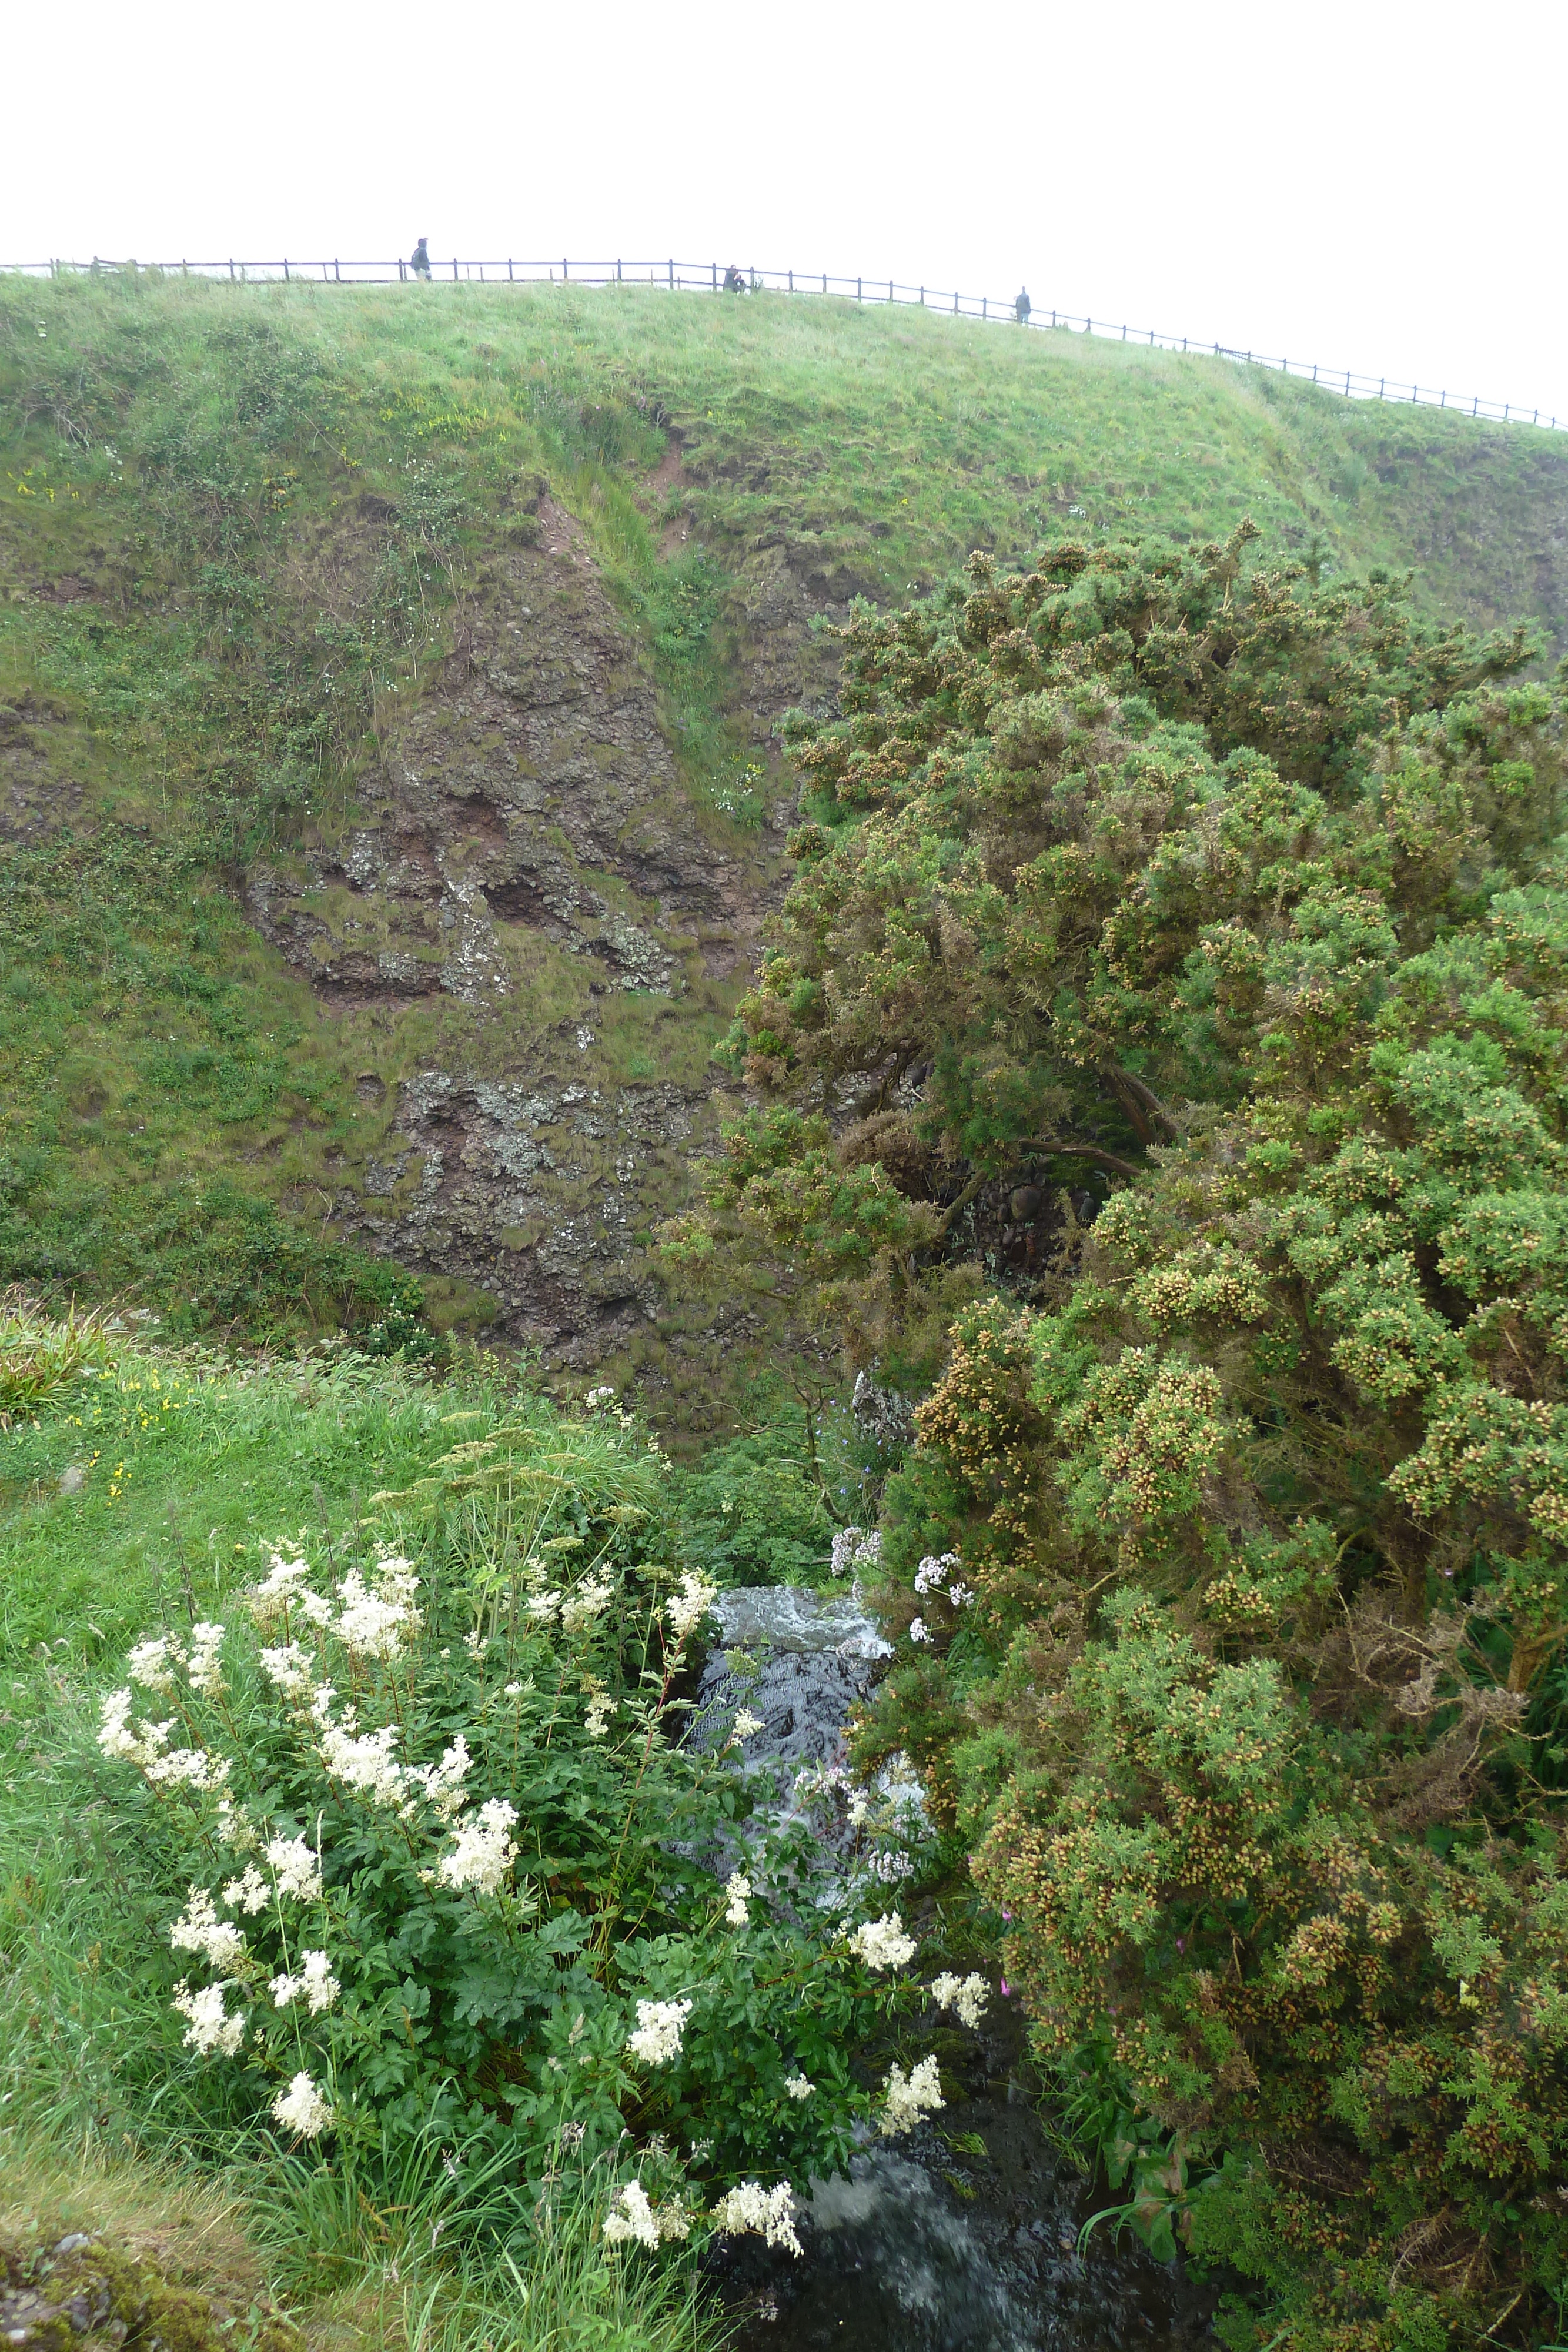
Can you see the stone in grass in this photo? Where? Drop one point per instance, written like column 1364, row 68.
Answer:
column 81, row 2294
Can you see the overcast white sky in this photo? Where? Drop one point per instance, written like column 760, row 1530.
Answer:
column 1368, row 182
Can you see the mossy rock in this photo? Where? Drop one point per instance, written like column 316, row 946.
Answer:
column 81, row 2292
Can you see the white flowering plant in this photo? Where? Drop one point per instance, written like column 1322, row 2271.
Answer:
column 437, row 1858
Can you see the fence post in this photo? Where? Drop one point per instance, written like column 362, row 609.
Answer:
column 985, row 300
column 565, row 272
column 1505, row 411
column 890, row 290
column 286, row 265
column 672, row 277
column 1475, row 404
column 858, row 295
column 403, row 273
column 791, row 281
column 714, row 267
column 955, row 306
column 337, row 274
column 231, row 270
column 1125, row 338
column 923, row 297
column 1381, row 382
column 617, row 273
column 824, row 281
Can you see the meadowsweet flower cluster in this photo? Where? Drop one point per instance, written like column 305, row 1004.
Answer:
column 882, row 1944
column 686, row 1610
column 351, row 1792
column 199, row 1929
column 210, row 2033
column 966, row 1996
column 907, row 2099
column 297, row 1868
column 314, row 1984
column 482, row 1849
column 656, row 2038
column 633, row 2217
column 377, row 1618
column 301, row 2109
column 762, row 2212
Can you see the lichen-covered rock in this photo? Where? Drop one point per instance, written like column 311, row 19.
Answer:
column 81, row 2292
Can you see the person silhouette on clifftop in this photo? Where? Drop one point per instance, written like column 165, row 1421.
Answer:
column 419, row 259
column 1021, row 306
column 734, row 283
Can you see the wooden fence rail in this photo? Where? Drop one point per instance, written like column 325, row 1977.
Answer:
column 708, row 278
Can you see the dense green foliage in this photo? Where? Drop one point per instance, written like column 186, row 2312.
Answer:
column 1248, row 894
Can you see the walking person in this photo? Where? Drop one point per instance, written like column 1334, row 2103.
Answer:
column 1021, row 306
column 419, row 259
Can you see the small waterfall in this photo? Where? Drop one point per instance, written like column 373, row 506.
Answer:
column 963, row 2236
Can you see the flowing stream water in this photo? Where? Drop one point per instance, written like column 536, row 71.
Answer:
column 963, row 2236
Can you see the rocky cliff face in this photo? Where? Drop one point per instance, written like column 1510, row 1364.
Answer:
column 531, row 935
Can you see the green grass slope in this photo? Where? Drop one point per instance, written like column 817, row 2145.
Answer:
column 239, row 528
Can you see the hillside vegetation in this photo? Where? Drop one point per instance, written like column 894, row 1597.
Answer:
column 249, row 540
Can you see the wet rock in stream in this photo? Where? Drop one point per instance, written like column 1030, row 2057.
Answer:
column 962, row 2235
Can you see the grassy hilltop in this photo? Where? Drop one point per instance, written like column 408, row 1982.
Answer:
column 246, row 533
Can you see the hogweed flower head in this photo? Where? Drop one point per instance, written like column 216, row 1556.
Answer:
column 882, row 1944
column 656, row 2037
column 301, row 2109
column 762, row 2213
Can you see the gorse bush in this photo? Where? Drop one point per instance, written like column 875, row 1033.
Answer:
column 449, row 1868
column 1249, row 899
